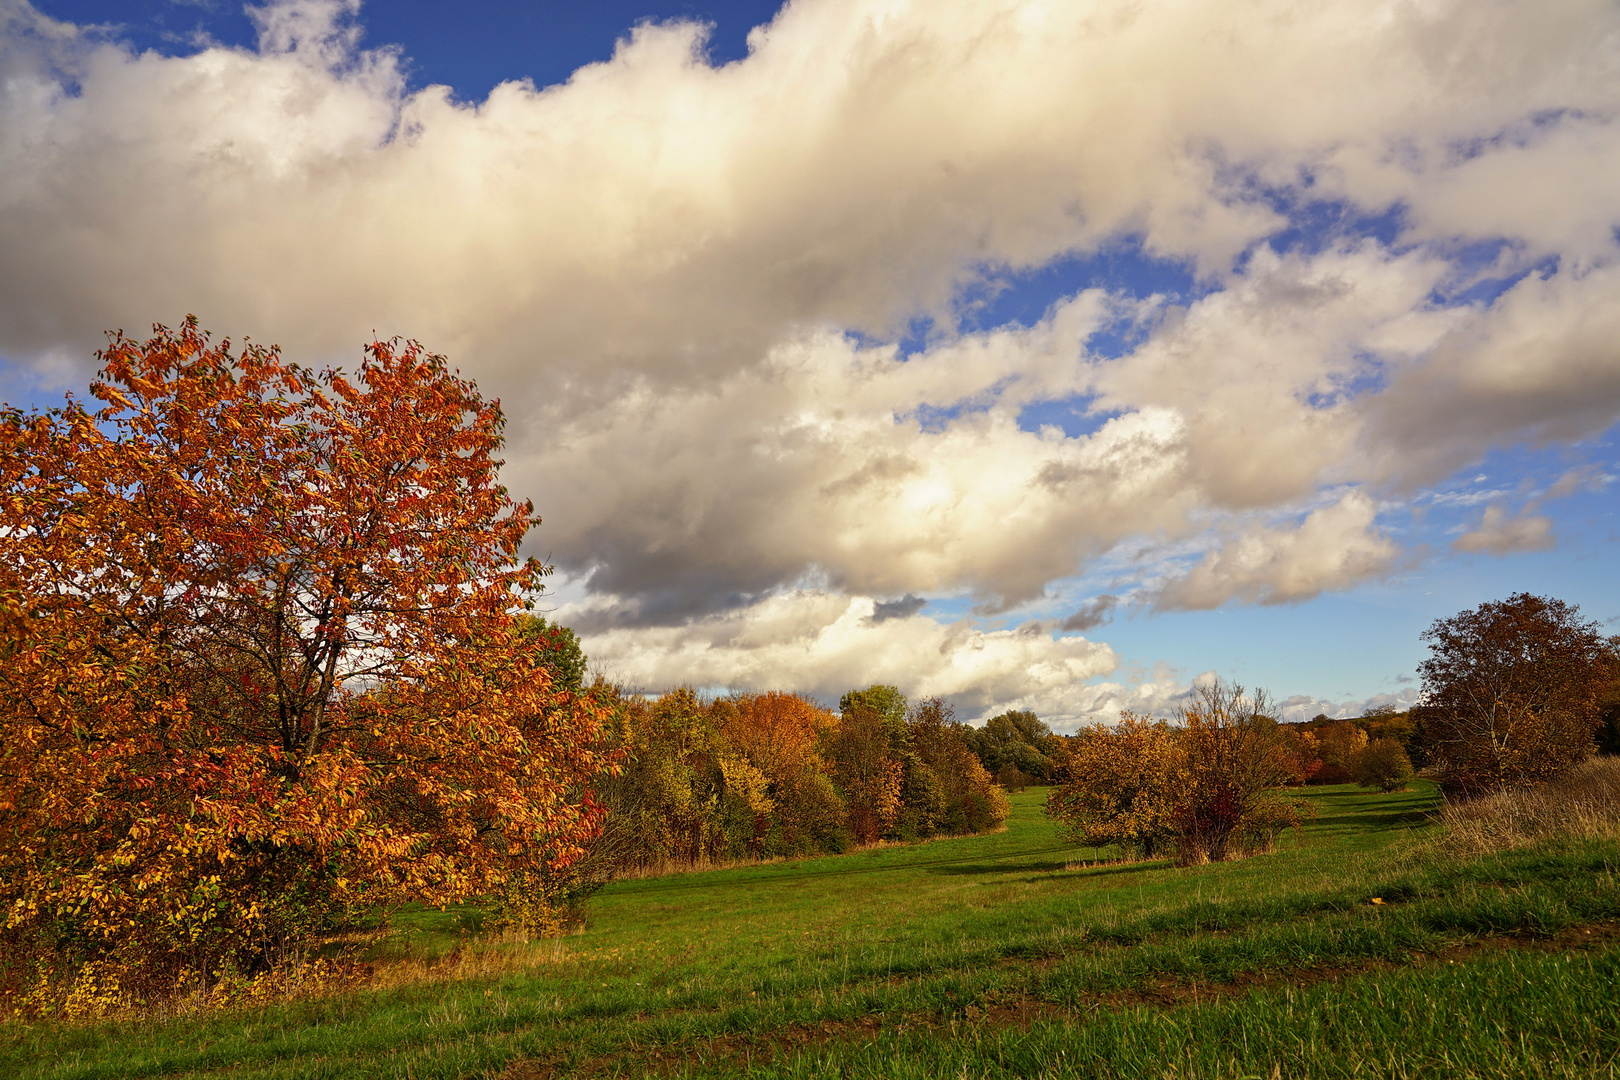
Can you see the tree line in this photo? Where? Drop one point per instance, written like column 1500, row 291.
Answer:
column 775, row 774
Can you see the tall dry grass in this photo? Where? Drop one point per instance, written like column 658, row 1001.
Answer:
column 1583, row 803
column 669, row 867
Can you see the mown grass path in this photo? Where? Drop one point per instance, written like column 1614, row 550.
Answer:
column 1356, row 950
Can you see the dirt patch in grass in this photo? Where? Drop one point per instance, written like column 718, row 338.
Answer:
column 1021, row 1010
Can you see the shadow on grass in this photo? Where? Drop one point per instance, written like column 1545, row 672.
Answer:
column 1339, row 809
column 1090, row 867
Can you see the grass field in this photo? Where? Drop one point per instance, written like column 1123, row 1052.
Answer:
column 1359, row 949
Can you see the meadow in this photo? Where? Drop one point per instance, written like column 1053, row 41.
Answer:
column 1363, row 946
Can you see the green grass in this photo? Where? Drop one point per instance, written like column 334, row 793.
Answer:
column 1003, row 955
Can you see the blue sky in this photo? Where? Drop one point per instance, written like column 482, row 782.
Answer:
column 979, row 303
column 470, row 45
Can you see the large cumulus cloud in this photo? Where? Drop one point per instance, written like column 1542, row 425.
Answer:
column 685, row 282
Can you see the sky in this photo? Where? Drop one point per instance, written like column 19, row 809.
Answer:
column 1045, row 354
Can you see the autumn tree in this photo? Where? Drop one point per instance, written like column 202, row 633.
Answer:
column 263, row 667
column 1204, row 787
column 1303, row 753
column 1121, row 787
column 1234, row 758
column 662, row 800
column 947, row 787
column 1513, row 692
column 1383, row 765
column 1608, row 738
column 1387, row 722
column 780, row 734
column 1339, row 744
column 866, row 754
column 762, row 774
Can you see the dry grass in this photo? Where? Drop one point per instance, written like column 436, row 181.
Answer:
column 508, row 955
column 97, row 994
column 669, row 867
column 1583, row 803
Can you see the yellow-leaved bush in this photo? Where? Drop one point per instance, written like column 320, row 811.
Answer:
column 1201, row 789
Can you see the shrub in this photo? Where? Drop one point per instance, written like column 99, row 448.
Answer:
column 1234, row 757
column 1012, row 778
column 1120, row 788
column 1383, row 765
column 1203, row 788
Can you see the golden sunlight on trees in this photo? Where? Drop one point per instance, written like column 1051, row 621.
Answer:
column 1513, row 693
column 1383, row 765
column 1203, row 788
column 774, row 774
column 261, row 669
column 1339, row 745
column 1120, row 787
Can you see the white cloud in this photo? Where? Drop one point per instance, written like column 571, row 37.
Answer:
column 824, row 643
column 1304, row 707
column 809, row 461
column 1499, row 533
column 657, row 266
column 1540, row 365
column 857, row 166
column 1335, row 547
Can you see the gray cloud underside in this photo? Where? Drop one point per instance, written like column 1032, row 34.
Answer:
column 657, row 264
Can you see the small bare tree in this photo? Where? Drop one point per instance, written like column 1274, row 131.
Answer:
column 1235, row 757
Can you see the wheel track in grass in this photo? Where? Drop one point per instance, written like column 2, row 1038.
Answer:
column 1020, row 1010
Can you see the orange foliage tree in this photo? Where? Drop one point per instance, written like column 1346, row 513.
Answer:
column 780, row 734
column 261, row 668
column 1303, row 753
